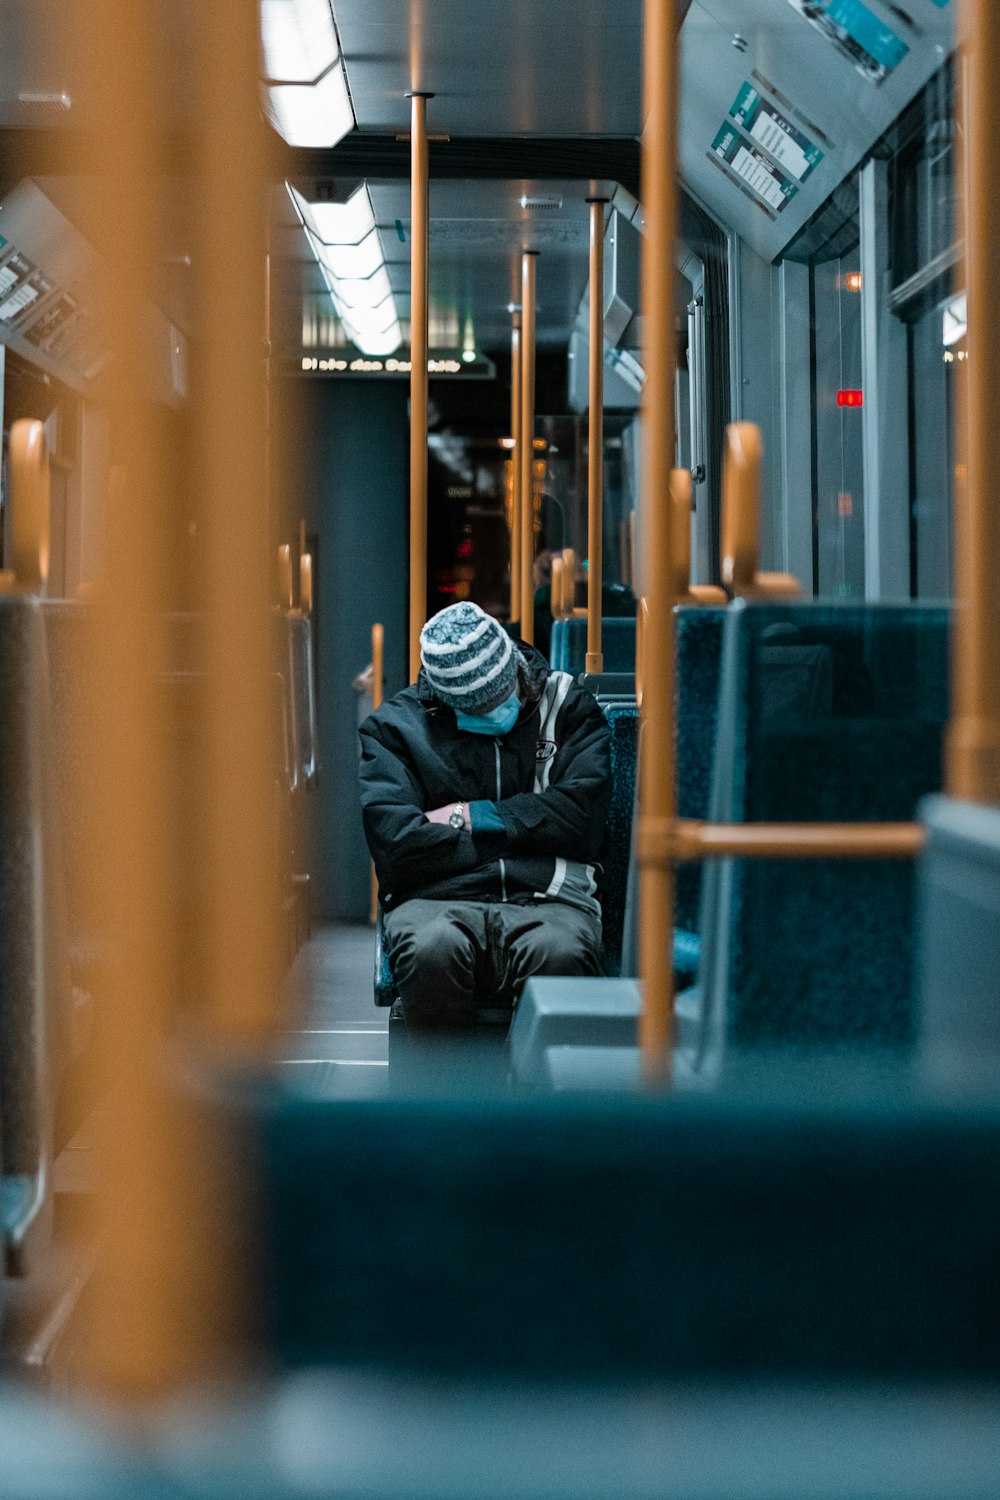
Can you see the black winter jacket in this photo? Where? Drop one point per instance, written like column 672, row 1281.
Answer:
column 549, row 778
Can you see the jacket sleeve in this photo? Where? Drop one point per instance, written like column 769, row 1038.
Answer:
column 568, row 818
column 407, row 849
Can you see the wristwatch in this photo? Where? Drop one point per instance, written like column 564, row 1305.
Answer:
column 457, row 819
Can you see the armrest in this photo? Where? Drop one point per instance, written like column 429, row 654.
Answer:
column 383, row 982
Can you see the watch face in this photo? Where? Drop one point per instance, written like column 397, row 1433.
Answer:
column 456, row 820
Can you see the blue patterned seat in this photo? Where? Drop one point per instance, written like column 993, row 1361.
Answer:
column 569, row 645
column 829, row 714
column 623, row 721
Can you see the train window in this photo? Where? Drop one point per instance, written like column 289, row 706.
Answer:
column 925, row 253
column 838, row 449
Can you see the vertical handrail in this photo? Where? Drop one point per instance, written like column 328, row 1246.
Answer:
column 595, row 457
column 515, row 459
column 529, row 260
column 149, row 1318
column 656, row 877
column 286, row 585
column 680, row 511
column 378, row 690
column 242, row 872
column 30, row 503
column 306, row 584
column 641, row 626
column 741, row 507
column 558, row 589
column 973, row 740
column 419, row 329
column 569, row 582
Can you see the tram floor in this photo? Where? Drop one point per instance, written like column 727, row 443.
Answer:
column 341, row 1045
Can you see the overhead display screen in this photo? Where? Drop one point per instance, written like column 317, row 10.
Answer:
column 782, row 140
column 857, row 33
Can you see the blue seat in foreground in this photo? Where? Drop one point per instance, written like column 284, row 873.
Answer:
column 774, row 1232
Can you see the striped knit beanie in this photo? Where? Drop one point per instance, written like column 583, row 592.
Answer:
column 470, row 661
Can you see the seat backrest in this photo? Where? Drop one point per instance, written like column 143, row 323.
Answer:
column 34, row 986
column 698, row 634
column 623, row 721
column 303, row 694
column 828, row 713
column 568, row 651
column 698, row 637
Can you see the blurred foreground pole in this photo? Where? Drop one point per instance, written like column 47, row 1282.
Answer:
column 241, row 857
column 147, row 1309
column 657, row 798
column 973, row 753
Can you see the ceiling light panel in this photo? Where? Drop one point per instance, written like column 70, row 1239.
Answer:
column 312, row 114
column 344, row 223
column 350, row 262
column 299, row 39
column 345, row 241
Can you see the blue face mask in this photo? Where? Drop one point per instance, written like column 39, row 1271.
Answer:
column 498, row 721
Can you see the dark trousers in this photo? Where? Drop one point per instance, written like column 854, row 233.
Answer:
column 449, row 957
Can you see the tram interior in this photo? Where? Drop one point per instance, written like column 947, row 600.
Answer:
column 722, row 1222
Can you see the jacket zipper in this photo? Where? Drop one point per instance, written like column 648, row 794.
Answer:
column 503, row 870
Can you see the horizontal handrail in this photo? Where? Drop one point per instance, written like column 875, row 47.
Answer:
column 685, row 839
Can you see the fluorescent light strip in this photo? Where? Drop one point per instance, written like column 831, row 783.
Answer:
column 344, row 238
column 299, row 39
column 312, row 114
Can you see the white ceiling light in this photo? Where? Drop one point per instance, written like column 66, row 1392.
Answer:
column 345, row 240
column 372, row 292
column 299, row 39
column 351, row 262
column 382, row 343
column 312, row 114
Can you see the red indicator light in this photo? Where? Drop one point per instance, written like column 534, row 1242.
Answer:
column 465, row 548
column 850, row 398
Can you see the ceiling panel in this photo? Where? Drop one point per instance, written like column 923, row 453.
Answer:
column 496, row 67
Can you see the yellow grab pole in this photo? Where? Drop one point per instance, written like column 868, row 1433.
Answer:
column 529, row 267
column 595, row 464
column 680, row 514
column 558, row 580
column 656, row 880
column 378, row 689
column 515, row 461
column 241, row 943
column 30, row 519
column 419, row 256
column 305, row 584
column 740, row 506
column 149, row 1319
column 286, row 588
column 973, row 743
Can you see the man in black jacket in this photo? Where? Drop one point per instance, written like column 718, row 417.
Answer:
column 485, row 792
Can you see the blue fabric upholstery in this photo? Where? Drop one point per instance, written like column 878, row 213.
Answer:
column 698, row 635
column 623, row 721
column 830, row 714
column 742, row 1235
column 568, row 652
column 699, row 654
